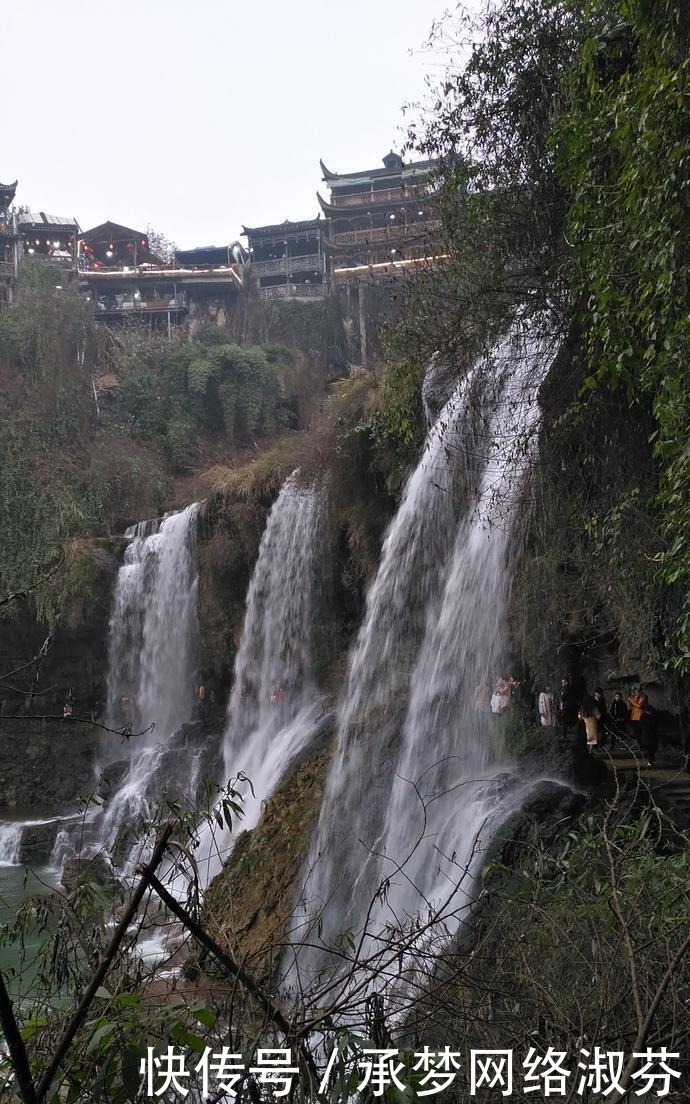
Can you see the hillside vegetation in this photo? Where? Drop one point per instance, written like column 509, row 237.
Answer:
column 102, row 429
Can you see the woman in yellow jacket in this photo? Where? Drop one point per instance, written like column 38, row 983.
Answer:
column 636, row 705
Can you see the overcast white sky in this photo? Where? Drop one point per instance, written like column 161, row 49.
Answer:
column 199, row 115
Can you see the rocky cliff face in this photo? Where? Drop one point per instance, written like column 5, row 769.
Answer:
column 46, row 762
column 46, row 765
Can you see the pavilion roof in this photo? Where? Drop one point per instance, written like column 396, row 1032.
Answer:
column 370, row 201
column 112, row 232
column 41, row 220
column 9, row 190
column 286, row 227
column 365, row 176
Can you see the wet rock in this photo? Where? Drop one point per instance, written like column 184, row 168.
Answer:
column 94, row 868
column 37, row 842
column 189, row 735
column 439, row 384
column 111, row 778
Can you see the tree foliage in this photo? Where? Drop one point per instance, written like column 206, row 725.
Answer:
column 183, row 394
column 73, row 470
column 564, row 152
column 623, row 151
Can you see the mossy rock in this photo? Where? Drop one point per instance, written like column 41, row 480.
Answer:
column 248, row 906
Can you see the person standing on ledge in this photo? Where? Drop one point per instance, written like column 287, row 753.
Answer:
column 567, row 706
column 547, row 709
column 618, row 718
column 636, row 706
column 600, row 703
column 591, row 717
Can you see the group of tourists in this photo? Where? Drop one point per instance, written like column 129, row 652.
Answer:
column 603, row 724
column 502, row 697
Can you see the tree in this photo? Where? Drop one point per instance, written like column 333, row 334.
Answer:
column 161, row 247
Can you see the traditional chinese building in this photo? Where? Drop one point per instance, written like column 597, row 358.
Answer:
column 52, row 238
column 126, row 281
column 288, row 259
column 111, row 246
column 379, row 219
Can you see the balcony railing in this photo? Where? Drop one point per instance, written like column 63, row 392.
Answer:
column 411, row 231
column 382, row 195
column 64, row 264
column 292, row 291
column 143, row 306
column 285, row 266
column 6, row 268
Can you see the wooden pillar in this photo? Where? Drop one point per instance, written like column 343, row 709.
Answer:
column 363, row 323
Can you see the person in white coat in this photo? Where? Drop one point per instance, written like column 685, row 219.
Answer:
column 547, row 709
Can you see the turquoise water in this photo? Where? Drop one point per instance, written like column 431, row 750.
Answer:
column 17, row 884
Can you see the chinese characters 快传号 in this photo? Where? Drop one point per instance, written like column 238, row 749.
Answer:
column 429, row 1072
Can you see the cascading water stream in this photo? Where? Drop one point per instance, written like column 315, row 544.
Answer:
column 10, row 844
column 373, row 704
column 446, row 786
column 417, row 769
column 273, row 706
column 152, row 661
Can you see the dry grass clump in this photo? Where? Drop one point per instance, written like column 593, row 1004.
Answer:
column 315, row 451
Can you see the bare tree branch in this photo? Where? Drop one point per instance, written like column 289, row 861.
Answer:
column 15, row 1045
column 106, row 962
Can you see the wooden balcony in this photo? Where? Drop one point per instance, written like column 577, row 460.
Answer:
column 6, row 268
column 286, row 266
column 413, row 194
column 174, row 304
column 394, row 234
column 292, row 291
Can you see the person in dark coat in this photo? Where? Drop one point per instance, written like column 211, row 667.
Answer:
column 648, row 735
column 567, row 706
column 618, row 715
column 618, row 718
column 600, row 705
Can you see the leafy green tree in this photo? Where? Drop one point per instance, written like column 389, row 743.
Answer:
column 623, row 152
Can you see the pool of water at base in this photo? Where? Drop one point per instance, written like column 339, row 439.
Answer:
column 17, row 885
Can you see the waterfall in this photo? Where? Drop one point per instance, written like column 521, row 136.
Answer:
column 153, row 626
column 373, row 703
column 274, row 706
column 10, row 844
column 446, row 784
column 419, row 771
column 152, row 660
column 62, row 849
